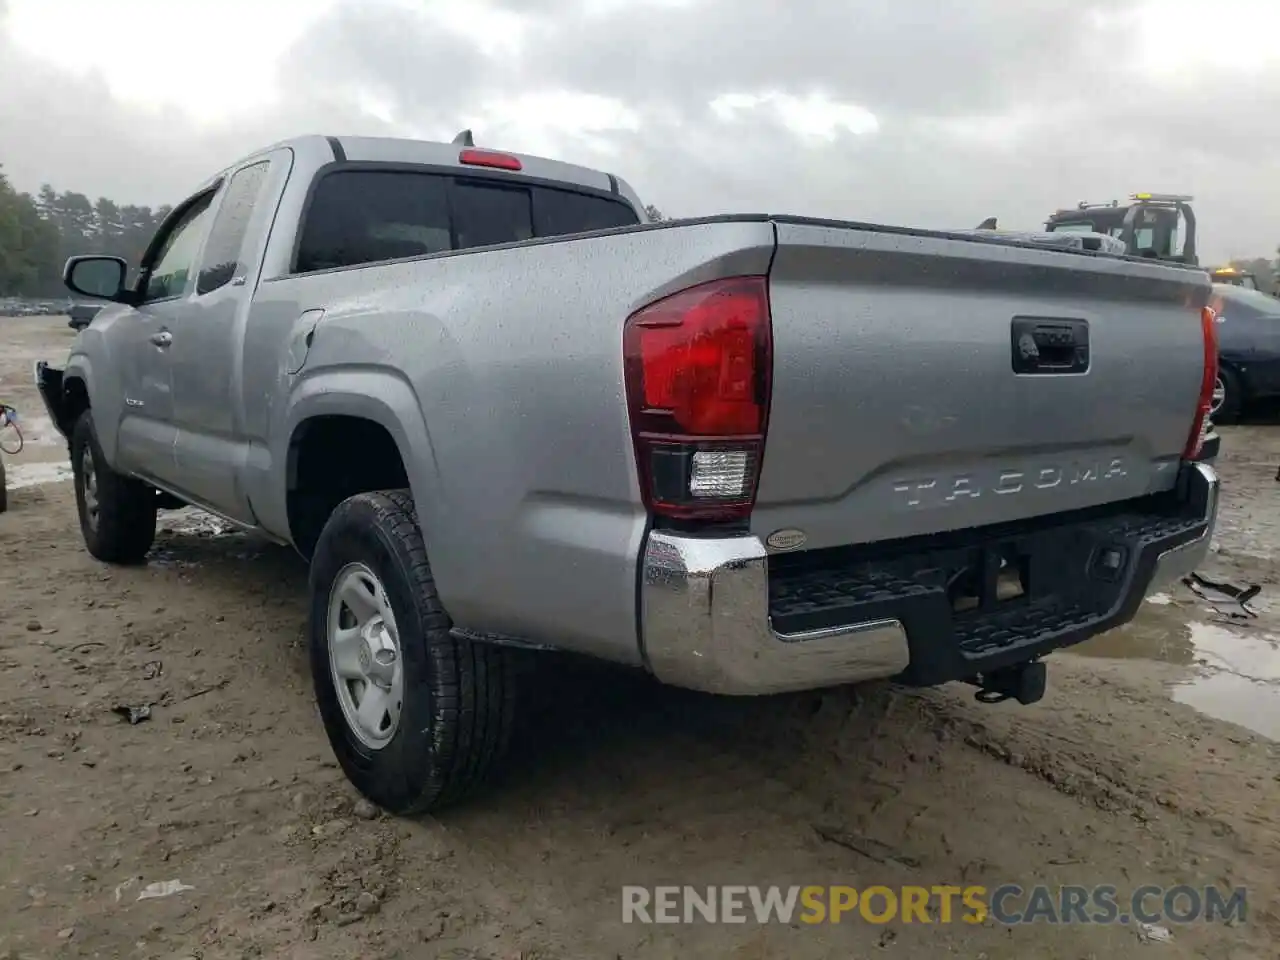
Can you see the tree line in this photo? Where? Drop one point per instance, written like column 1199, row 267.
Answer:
column 38, row 232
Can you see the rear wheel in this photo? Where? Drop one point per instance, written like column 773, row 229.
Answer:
column 1228, row 397
column 117, row 513
column 4, row 496
column 417, row 718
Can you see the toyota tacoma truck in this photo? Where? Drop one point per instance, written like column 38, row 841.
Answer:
column 496, row 408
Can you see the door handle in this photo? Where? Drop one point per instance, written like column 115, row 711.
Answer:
column 162, row 339
column 1049, row 346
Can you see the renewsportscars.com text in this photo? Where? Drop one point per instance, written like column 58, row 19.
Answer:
column 1008, row 904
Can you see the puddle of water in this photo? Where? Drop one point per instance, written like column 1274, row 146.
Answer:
column 19, row 475
column 196, row 523
column 1241, row 680
column 203, row 527
column 1232, row 672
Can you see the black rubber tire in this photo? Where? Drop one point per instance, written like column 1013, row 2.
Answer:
column 126, row 526
column 1233, row 404
column 4, row 494
column 459, row 696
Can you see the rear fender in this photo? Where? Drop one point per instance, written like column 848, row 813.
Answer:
column 378, row 395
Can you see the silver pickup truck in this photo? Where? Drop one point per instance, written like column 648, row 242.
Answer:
column 494, row 408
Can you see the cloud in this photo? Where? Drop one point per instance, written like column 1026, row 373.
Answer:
column 915, row 57
column 912, row 112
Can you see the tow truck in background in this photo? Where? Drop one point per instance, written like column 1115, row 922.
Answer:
column 1160, row 226
column 1157, row 225
column 1233, row 276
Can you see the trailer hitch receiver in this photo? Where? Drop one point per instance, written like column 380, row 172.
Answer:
column 1024, row 682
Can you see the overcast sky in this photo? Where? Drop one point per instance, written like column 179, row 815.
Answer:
column 901, row 111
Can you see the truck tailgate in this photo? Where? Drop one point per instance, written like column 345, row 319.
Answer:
column 924, row 383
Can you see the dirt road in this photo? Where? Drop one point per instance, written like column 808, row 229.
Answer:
column 1127, row 773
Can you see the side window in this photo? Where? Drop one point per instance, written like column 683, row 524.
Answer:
column 363, row 216
column 483, row 215
column 224, row 251
column 558, row 212
column 168, row 275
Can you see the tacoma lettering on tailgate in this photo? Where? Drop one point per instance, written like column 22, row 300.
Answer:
column 943, row 491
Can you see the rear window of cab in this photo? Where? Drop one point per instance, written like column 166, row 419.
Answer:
column 365, row 216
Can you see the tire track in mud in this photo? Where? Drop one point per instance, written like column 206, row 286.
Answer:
column 1224, row 840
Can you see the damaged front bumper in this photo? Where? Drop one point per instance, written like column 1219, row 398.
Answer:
column 48, row 381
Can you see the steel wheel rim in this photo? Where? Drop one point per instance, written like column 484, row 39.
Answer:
column 89, row 471
column 364, row 656
column 1219, row 395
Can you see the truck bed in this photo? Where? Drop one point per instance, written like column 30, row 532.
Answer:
column 895, row 410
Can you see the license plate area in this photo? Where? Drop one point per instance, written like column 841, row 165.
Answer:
column 1073, row 570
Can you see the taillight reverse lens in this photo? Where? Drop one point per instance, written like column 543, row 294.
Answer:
column 698, row 376
column 1209, row 377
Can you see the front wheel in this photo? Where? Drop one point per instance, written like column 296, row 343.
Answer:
column 117, row 513
column 417, row 719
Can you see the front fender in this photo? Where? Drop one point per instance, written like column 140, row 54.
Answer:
column 105, row 400
column 58, row 388
column 48, row 382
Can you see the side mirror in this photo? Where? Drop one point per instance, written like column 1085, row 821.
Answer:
column 95, row 276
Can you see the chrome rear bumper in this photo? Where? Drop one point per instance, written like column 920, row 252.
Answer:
column 706, row 625
column 1176, row 562
column 705, row 621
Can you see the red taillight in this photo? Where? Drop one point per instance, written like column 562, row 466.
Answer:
column 487, row 158
column 698, row 369
column 1208, row 379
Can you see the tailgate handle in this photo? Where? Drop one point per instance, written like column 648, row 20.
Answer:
column 1042, row 345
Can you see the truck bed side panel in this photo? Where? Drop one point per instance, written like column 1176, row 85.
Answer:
column 528, row 494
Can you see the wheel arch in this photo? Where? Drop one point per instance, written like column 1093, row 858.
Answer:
column 353, row 432
column 1237, row 371
column 74, row 400
column 80, row 391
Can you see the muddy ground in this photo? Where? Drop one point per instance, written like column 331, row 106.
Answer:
column 1152, row 760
